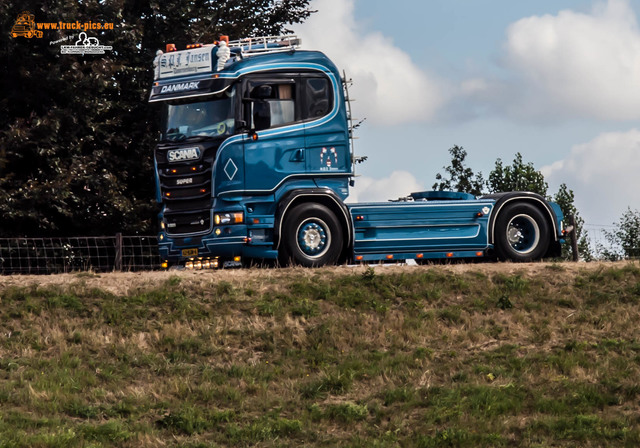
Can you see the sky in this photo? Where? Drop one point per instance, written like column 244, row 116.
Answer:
column 556, row 80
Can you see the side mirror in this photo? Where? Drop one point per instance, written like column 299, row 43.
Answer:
column 241, row 126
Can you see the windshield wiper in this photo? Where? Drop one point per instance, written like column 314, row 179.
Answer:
column 175, row 137
column 183, row 138
column 200, row 138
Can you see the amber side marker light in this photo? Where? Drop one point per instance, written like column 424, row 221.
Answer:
column 390, row 257
column 449, row 254
column 359, row 257
column 479, row 254
column 420, row 256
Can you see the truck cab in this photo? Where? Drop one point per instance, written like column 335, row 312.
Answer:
column 255, row 162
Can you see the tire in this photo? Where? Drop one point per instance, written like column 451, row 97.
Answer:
column 311, row 236
column 521, row 233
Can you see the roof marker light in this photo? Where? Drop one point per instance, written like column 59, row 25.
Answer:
column 171, row 47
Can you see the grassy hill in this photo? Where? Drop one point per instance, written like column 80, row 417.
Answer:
column 524, row 355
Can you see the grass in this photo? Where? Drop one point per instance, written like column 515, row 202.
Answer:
column 413, row 357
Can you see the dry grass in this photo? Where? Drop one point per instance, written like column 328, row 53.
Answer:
column 451, row 355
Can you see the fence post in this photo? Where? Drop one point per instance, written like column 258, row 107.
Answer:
column 117, row 264
column 574, row 239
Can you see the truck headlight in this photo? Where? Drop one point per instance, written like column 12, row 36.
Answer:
column 229, row 218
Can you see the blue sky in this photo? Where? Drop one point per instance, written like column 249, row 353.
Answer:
column 558, row 81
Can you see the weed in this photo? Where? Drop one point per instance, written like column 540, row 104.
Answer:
column 504, row 303
column 369, row 274
column 191, row 420
column 452, row 315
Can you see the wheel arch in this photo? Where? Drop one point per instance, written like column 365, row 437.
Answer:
column 534, row 199
column 322, row 196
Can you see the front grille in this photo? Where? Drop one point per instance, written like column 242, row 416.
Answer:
column 186, row 190
column 187, row 222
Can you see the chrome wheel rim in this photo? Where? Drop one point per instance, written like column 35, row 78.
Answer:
column 523, row 234
column 314, row 237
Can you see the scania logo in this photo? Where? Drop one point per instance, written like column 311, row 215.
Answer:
column 179, row 155
column 180, row 87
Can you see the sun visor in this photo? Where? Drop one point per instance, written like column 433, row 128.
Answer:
column 169, row 90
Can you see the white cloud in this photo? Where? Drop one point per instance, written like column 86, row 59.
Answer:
column 604, row 173
column 388, row 86
column 398, row 184
column 576, row 64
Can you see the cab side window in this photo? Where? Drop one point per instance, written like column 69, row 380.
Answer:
column 273, row 104
column 318, row 98
column 291, row 99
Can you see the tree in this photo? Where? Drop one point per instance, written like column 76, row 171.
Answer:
column 517, row 177
column 565, row 199
column 626, row 239
column 461, row 178
column 76, row 132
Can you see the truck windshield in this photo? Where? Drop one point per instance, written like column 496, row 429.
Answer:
column 213, row 117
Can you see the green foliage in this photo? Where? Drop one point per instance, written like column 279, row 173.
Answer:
column 76, row 132
column 461, row 178
column 519, row 176
column 626, row 238
column 565, row 199
column 516, row 177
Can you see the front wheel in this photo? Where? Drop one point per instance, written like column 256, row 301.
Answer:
column 311, row 236
column 521, row 233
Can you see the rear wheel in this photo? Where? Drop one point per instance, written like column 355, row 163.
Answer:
column 521, row 233
column 311, row 236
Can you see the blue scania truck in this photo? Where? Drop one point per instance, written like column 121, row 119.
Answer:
column 256, row 159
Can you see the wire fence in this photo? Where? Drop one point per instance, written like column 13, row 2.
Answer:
column 95, row 253
column 140, row 253
column 602, row 247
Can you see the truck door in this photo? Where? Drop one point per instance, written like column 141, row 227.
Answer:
column 326, row 137
column 274, row 145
